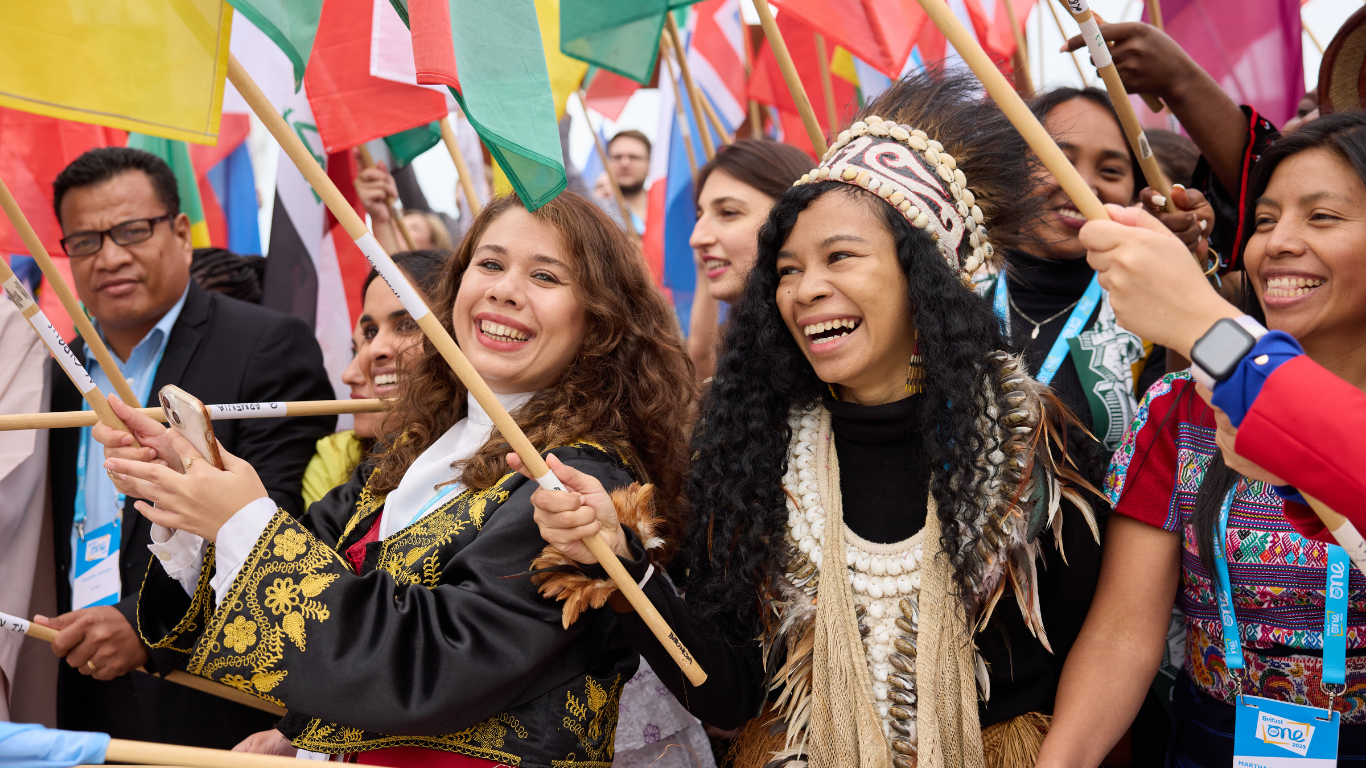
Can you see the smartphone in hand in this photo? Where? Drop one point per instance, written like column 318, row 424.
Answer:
column 188, row 415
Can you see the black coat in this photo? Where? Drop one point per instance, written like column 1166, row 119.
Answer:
column 220, row 350
column 431, row 645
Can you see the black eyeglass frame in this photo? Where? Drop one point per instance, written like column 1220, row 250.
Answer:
column 153, row 221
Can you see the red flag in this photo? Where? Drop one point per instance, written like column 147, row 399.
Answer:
column 880, row 32
column 433, row 48
column 608, row 93
column 768, row 87
column 349, row 105
column 342, row 168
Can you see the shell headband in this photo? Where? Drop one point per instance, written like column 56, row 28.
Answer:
column 911, row 171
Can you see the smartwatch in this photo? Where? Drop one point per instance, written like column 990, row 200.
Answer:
column 1218, row 353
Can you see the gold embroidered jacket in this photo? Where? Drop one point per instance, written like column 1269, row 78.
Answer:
column 429, row 646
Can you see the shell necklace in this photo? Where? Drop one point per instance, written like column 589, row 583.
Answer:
column 885, row 580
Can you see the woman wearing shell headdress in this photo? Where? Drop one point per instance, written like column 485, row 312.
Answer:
column 876, row 481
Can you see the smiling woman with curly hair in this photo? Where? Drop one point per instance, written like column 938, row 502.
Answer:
column 389, row 619
column 874, row 472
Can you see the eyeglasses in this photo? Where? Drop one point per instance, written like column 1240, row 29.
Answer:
column 132, row 232
column 629, row 158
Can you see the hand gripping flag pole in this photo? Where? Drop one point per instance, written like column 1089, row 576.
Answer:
column 19, row 626
column 1076, row 188
column 445, row 345
column 1128, row 119
column 368, row 161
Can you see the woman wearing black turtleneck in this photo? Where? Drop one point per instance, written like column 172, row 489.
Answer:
column 1048, row 279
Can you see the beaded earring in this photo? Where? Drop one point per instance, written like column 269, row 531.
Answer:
column 915, row 373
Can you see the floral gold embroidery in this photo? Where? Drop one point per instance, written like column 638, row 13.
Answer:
column 240, row 634
column 282, row 596
column 597, row 734
column 290, row 544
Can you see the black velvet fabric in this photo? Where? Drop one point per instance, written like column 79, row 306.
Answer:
column 221, row 350
column 439, row 643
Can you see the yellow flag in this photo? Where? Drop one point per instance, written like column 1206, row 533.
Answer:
column 842, row 66
column 151, row 66
column 566, row 74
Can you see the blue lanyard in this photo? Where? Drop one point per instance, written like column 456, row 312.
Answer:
column 1080, row 314
column 1334, row 604
column 447, row 492
column 78, row 521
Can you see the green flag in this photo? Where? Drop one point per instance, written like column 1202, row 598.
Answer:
column 406, row 146
column 291, row 24
column 617, row 35
column 502, row 85
column 177, row 155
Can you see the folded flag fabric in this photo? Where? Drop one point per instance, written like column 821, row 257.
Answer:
column 620, row 36
column 177, row 156
column 351, row 106
column 157, row 68
column 716, row 54
column 880, row 33
column 405, row 146
column 767, row 86
column 608, row 92
column 291, row 24
column 24, row 745
column 492, row 59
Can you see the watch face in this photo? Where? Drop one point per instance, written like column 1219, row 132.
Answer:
column 1221, row 349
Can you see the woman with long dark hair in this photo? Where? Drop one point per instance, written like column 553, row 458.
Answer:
column 735, row 189
column 874, row 472
column 1100, row 369
column 1189, row 530
column 384, row 619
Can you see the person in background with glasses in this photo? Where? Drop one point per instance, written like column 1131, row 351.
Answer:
column 628, row 155
column 129, row 250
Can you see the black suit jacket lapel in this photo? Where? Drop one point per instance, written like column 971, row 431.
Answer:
column 186, row 335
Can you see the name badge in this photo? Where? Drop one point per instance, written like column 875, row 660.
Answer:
column 1277, row 734
column 97, row 568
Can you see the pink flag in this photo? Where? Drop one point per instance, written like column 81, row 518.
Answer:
column 1250, row 47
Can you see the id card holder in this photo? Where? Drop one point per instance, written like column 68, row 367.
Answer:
column 1277, row 734
column 97, row 567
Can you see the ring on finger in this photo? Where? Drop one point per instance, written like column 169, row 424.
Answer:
column 188, row 462
column 90, row 663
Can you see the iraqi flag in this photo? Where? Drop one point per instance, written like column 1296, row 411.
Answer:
column 314, row 270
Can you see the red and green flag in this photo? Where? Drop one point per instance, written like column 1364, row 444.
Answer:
column 491, row 58
column 290, row 24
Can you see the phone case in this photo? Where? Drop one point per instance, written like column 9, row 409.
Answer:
column 187, row 415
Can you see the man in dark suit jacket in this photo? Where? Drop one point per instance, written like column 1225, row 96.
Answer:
column 132, row 273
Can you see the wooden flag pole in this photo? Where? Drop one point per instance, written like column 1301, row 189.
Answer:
column 1155, row 14
column 1082, row 197
column 1313, row 38
column 1075, row 61
column 461, row 168
column 446, row 346
column 827, row 86
column 1128, row 119
column 65, row 357
column 678, row 105
column 1014, row 108
column 202, row 684
column 1021, row 49
column 722, row 135
column 368, row 161
column 694, row 97
column 611, row 175
column 789, row 70
column 756, row 120
column 73, row 307
column 229, row 412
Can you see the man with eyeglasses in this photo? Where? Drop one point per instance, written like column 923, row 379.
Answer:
column 628, row 155
column 130, row 252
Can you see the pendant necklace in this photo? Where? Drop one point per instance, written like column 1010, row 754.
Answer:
column 1041, row 323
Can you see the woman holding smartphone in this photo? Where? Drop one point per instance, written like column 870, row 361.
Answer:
column 383, row 619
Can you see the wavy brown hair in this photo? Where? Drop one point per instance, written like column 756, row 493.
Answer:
column 629, row 389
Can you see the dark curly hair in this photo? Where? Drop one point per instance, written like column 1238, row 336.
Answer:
column 629, row 389
column 734, row 546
